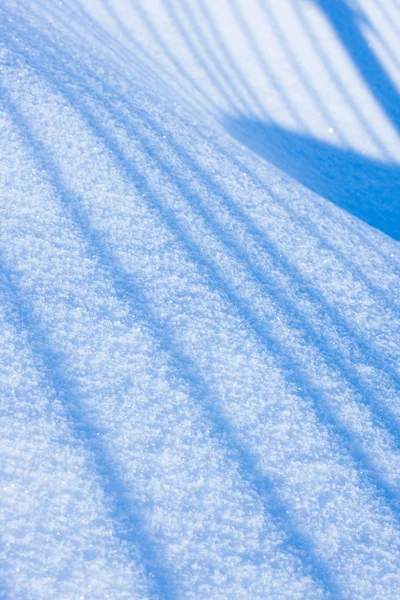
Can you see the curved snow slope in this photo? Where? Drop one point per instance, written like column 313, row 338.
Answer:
column 199, row 358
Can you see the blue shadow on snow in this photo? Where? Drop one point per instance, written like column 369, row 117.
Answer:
column 368, row 189
column 346, row 22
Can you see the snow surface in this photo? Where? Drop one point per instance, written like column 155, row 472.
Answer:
column 199, row 299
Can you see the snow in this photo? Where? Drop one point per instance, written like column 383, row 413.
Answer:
column 199, row 299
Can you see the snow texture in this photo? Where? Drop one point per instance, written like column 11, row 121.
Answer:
column 199, row 299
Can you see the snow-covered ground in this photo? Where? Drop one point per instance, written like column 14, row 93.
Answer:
column 200, row 299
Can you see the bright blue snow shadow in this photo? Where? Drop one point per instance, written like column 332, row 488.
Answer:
column 367, row 189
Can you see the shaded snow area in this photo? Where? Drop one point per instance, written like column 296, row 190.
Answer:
column 200, row 299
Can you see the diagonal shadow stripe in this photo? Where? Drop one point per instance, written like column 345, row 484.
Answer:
column 128, row 527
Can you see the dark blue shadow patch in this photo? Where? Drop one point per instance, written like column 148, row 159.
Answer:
column 368, row 189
